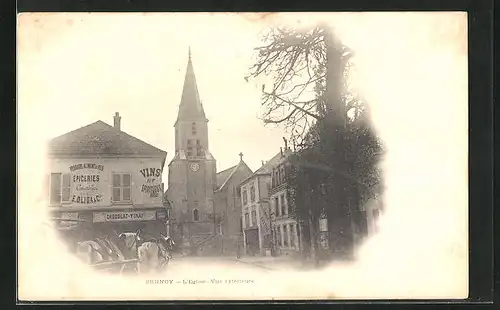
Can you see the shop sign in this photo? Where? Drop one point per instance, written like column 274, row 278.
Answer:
column 85, row 182
column 68, row 216
column 131, row 216
column 152, row 182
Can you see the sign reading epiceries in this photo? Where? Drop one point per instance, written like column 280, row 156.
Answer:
column 152, row 185
column 85, row 183
column 100, row 217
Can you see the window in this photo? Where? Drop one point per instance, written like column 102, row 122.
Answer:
column 60, row 188
column 376, row 214
column 238, row 191
column 254, row 218
column 189, row 148
column 278, row 178
column 247, row 220
column 285, row 235
column 193, row 129
column 282, row 174
column 283, row 205
column 278, row 235
column 121, row 187
column 252, row 194
column 278, row 208
column 199, row 151
column 245, row 198
column 293, row 234
column 196, row 216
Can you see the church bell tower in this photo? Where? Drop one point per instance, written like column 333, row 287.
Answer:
column 192, row 171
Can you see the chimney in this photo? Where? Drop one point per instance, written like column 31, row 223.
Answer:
column 117, row 118
column 263, row 163
column 281, row 151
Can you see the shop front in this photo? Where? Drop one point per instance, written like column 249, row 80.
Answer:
column 105, row 222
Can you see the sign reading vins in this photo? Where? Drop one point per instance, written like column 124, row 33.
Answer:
column 152, row 186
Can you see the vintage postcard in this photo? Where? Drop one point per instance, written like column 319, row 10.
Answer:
column 242, row 156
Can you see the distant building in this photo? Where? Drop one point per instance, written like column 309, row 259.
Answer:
column 255, row 210
column 228, row 205
column 198, row 225
column 104, row 176
column 285, row 226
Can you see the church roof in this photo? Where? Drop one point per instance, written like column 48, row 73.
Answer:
column 100, row 138
column 224, row 176
column 190, row 107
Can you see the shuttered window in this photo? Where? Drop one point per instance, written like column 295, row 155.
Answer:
column 60, row 188
column 121, row 187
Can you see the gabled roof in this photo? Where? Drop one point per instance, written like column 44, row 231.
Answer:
column 100, row 138
column 224, row 176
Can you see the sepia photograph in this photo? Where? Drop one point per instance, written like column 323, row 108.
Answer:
column 242, row 156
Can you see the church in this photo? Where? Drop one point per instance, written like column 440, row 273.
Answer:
column 205, row 205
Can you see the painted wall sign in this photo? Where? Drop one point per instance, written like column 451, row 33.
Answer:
column 131, row 216
column 85, row 184
column 86, row 166
column 152, row 185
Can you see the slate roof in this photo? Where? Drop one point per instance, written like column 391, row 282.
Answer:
column 224, row 176
column 267, row 168
column 100, row 138
column 190, row 107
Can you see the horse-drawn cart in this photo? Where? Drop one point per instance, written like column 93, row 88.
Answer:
column 101, row 253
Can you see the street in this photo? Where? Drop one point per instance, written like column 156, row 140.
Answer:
column 213, row 266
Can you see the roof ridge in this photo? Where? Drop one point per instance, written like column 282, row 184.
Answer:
column 88, row 125
column 110, row 140
column 225, row 170
column 232, row 172
column 140, row 140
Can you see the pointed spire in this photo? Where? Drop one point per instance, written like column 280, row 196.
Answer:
column 190, row 107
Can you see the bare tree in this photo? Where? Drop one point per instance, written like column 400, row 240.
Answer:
column 337, row 150
column 306, row 67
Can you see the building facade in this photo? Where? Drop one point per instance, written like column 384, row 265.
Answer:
column 199, row 224
column 256, row 211
column 286, row 230
column 192, row 171
column 108, row 178
column 228, row 206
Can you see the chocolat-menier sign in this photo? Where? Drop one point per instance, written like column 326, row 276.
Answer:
column 130, row 216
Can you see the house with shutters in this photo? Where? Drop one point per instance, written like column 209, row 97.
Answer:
column 255, row 210
column 108, row 178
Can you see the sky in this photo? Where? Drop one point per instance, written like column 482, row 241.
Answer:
column 75, row 69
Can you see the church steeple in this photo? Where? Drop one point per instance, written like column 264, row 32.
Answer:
column 190, row 107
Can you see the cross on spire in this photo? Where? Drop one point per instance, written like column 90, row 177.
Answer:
column 241, row 155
